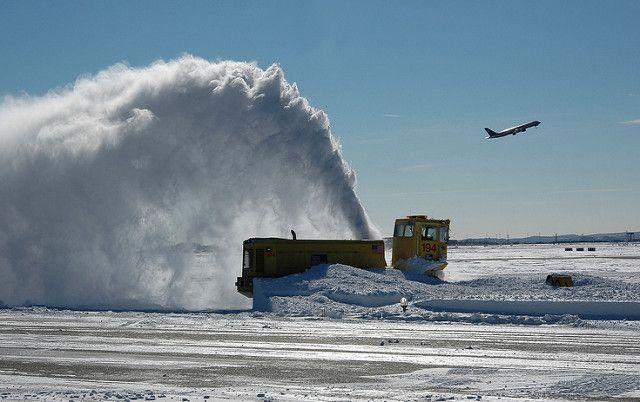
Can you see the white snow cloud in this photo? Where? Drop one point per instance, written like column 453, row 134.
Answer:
column 102, row 179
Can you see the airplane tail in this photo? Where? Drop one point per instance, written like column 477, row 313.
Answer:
column 490, row 132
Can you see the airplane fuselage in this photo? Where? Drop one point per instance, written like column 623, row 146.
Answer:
column 511, row 130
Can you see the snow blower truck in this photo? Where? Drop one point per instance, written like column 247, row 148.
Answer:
column 415, row 236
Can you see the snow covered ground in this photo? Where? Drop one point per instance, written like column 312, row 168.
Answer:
column 62, row 355
column 507, row 280
column 341, row 335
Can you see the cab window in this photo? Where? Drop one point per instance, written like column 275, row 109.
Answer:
column 403, row 230
column 444, row 234
column 428, row 233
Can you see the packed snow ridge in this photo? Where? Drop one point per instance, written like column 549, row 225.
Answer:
column 507, row 289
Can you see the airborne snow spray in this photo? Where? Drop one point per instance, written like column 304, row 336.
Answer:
column 107, row 185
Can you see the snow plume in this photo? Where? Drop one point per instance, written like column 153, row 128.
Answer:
column 103, row 181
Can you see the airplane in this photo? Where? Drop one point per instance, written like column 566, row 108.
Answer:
column 512, row 130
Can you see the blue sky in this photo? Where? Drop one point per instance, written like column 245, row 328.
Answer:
column 408, row 87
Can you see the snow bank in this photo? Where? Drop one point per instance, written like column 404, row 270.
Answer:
column 102, row 179
column 585, row 309
column 343, row 291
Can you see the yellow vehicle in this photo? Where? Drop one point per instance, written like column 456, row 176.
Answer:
column 414, row 236
column 417, row 235
column 273, row 257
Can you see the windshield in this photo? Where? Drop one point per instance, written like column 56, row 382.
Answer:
column 428, row 233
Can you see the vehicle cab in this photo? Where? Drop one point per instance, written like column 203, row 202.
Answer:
column 417, row 235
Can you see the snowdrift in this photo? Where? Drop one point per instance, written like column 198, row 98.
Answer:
column 343, row 291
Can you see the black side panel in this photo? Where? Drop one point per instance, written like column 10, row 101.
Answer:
column 259, row 260
column 317, row 259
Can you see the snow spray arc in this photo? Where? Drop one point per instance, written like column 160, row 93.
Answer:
column 101, row 180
